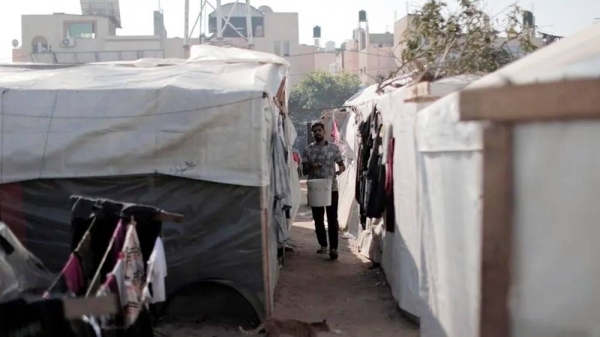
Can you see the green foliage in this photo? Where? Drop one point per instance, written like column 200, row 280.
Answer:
column 466, row 41
column 321, row 90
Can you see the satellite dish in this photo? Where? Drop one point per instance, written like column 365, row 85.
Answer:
column 265, row 9
column 15, row 43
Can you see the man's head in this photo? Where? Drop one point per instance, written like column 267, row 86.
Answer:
column 318, row 131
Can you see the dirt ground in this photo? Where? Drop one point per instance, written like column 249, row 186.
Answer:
column 352, row 297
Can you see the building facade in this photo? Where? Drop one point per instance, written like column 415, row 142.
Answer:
column 91, row 37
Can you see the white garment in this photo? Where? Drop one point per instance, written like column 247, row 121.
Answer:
column 119, row 273
column 157, row 271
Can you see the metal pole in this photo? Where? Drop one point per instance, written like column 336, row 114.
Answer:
column 249, row 34
column 186, row 24
column 219, row 22
column 200, row 28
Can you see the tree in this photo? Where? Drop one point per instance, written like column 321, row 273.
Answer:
column 320, row 90
column 440, row 43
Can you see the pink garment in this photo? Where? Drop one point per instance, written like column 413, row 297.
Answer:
column 335, row 134
column 73, row 274
column 119, row 236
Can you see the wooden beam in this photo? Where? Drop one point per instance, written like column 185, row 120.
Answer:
column 170, row 217
column 496, row 271
column 573, row 99
column 95, row 306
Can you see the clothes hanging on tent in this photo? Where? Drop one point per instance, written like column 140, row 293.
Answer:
column 73, row 274
column 390, row 210
column 134, row 274
column 154, row 291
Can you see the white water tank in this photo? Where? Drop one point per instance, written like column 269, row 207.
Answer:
column 330, row 46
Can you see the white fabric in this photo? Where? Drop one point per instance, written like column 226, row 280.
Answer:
column 204, row 119
column 27, row 268
column 556, row 266
column 119, row 273
column 449, row 189
column 402, row 254
column 9, row 285
column 157, row 271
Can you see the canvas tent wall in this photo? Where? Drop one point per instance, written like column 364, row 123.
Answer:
column 401, row 250
column 540, row 184
column 466, row 171
column 202, row 138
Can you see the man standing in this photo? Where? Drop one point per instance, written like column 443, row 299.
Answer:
column 318, row 162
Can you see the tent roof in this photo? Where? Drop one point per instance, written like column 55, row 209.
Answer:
column 204, row 119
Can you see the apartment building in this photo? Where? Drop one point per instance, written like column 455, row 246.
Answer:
column 61, row 38
column 272, row 32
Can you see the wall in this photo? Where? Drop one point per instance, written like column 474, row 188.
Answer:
column 376, row 63
column 400, row 28
column 105, row 47
column 52, row 28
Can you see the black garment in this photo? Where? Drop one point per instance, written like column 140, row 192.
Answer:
column 378, row 202
column 6, row 246
column 38, row 319
column 104, row 214
column 332, row 221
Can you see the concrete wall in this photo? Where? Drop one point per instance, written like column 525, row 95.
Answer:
column 104, row 47
column 376, row 64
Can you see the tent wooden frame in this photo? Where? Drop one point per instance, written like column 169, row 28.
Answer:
column 504, row 107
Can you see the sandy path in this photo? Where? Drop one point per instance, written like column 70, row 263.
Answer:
column 346, row 292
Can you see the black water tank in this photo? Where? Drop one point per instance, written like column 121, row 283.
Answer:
column 362, row 16
column 528, row 19
column 316, row 32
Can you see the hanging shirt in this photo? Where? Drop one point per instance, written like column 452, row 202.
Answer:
column 157, row 271
column 73, row 274
column 134, row 275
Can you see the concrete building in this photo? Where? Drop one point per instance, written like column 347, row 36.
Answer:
column 272, row 32
column 90, row 37
column 369, row 56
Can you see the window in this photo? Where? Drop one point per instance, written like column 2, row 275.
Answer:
column 286, row 48
column 81, row 30
column 278, row 48
column 282, row 48
column 39, row 45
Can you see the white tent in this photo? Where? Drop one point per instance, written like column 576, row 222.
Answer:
column 400, row 251
column 203, row 137
column 550, row 290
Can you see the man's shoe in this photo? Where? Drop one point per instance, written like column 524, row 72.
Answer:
column 323, row 250
column 333, row 254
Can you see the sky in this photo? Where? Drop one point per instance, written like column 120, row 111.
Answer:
column 337, row 18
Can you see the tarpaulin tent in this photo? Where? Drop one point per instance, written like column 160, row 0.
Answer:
column 399, row 251
column 203, row 138
column 507, row 213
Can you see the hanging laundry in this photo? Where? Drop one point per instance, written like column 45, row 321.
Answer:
column 134, row 276
column 157, row 271
column 73, row 275
column 335, row 133
column 390, row 220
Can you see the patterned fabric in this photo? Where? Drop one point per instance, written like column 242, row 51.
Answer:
column 134, row 276
column 327, row 155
